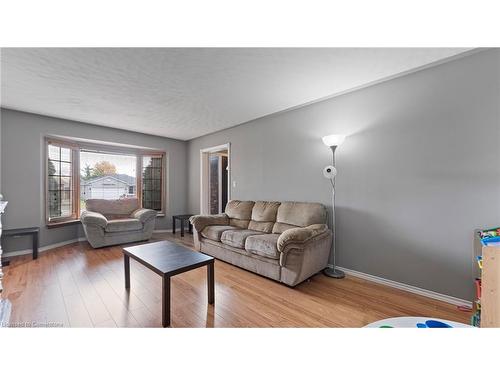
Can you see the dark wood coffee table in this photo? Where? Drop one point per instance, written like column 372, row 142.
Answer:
column 168, row 259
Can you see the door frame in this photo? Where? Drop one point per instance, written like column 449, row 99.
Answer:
column 205, row 178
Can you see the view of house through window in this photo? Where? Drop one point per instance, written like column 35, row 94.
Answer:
column 106, row 176
column 103, row 174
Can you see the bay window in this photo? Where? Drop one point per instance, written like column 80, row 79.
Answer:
column 76, row 172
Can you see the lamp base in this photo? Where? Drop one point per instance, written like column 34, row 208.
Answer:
column 333, row 272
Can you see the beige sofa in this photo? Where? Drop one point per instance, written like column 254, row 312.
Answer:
column 111, row 222
column 285, row 241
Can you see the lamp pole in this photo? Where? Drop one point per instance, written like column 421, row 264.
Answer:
column 331, row 271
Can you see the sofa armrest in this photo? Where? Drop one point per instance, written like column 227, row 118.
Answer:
column 143, row 214
column 299, row 236
column 90, row 217
column 201, row 221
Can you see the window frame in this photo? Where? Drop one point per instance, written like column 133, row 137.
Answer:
column 162, row 177
column 76, row 188
column 75, row 148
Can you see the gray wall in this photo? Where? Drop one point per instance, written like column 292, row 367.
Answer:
column 419, row 171
column 22, row 164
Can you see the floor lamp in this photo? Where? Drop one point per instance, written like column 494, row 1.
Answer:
column 333, row 141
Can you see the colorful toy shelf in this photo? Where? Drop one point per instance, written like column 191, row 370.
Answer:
column 488, row 284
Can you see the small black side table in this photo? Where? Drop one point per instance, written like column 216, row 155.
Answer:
column 33, row 232
column 182, row 218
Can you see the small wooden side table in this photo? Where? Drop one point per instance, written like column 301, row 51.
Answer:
column 182, row 219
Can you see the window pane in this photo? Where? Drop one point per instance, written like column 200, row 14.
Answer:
column 59, row 198
column 54, row 204
column 146, row 195
column 65, row 169
column 106, row 176
column 53, row 183
column 66, row 183
column 65, row 154
column 151, row 182
column 156, row 185
column 66, row 197
column 156, row 195
column 65, row 210
column 54, row 152
column 54, row 168
column 156, row 173
column 156, row 162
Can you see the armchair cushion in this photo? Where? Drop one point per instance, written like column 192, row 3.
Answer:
column 201, row 221
column 123, row 225
column 143, row 214
column 113, row 208
column 300, row 235
column 95, row 218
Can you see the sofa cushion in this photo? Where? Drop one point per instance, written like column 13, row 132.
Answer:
column 123, row 225
column 236, row 238
column 264, row 216
column 236, row 209
column 264, row 245
column 199, row 222
column 242, row 224
column 214, row 232
column 281, row 227
column 299, row 214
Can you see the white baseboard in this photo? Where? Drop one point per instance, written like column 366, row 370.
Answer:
column 409, row 288
column 162, row 231
column 43, row 248
column 57, row 244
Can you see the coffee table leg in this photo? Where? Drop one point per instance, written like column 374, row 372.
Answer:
column 211, row 283
column 182, row 227
column 126, row 263
column 165, row 306
column 173, row 225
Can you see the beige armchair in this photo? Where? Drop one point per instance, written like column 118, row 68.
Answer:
column 112, row 222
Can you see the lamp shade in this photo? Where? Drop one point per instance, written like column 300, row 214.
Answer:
column 333, row 139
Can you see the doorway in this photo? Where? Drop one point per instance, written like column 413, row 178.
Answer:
column 215, row 179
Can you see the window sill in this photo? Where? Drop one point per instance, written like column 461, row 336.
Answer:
column 62, row 223
column 76, row 221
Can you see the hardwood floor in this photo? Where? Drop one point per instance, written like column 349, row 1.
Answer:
column 77, row 286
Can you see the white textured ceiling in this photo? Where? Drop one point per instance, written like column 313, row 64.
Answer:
column 184, row 93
